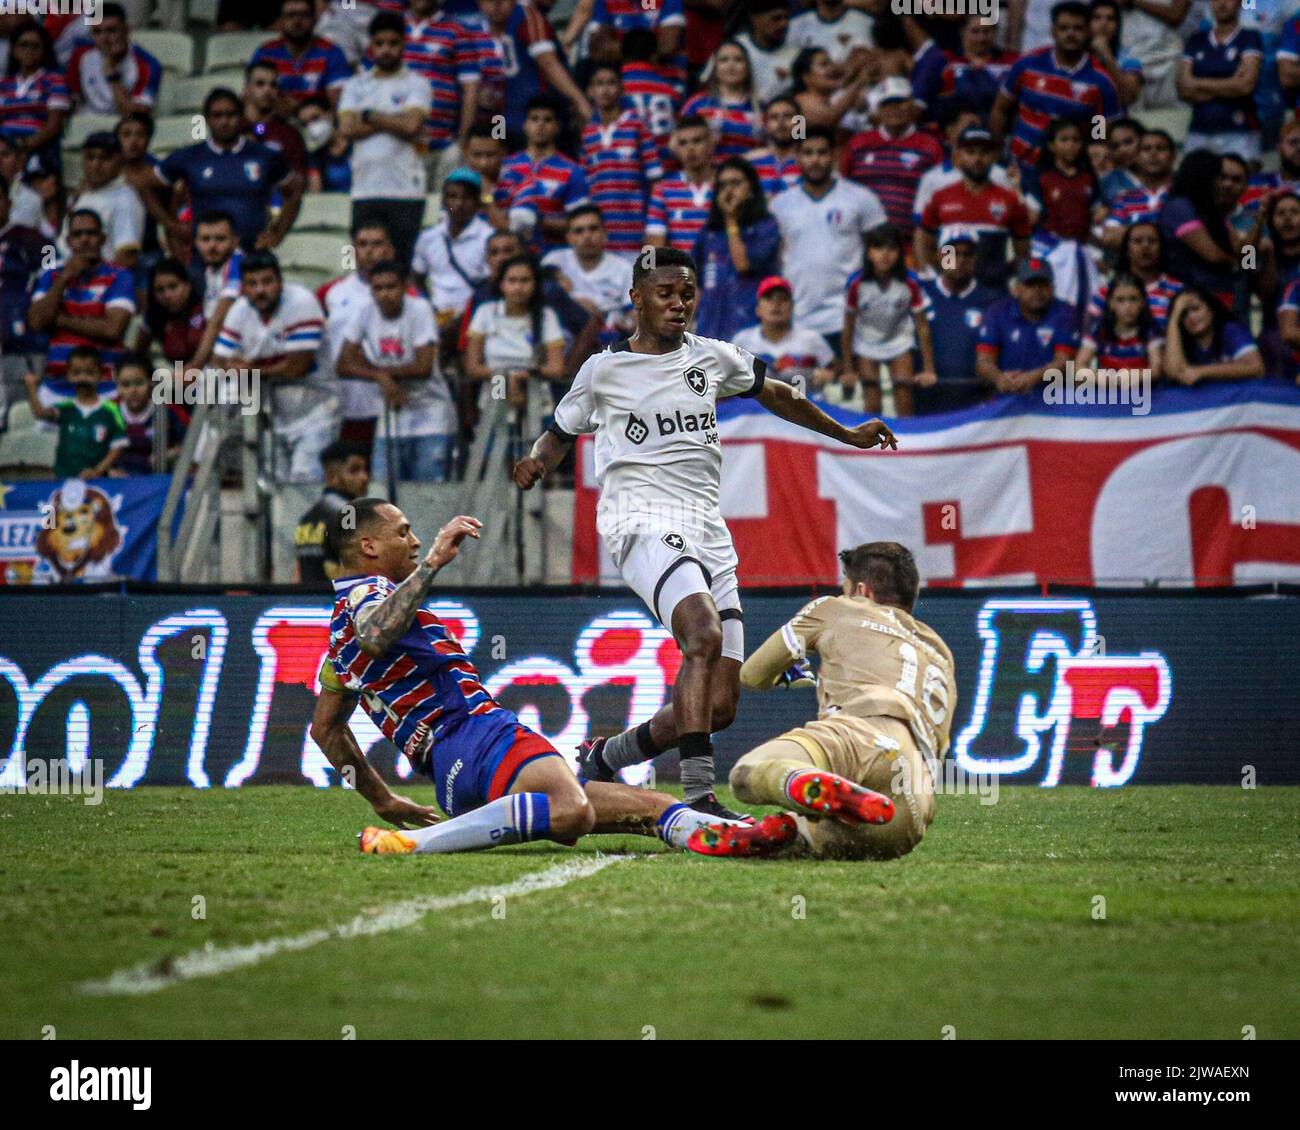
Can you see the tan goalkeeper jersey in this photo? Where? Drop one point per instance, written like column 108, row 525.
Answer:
column 875, row 660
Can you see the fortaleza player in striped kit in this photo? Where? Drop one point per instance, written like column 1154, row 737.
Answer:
column 498, row 781
column 651, row 402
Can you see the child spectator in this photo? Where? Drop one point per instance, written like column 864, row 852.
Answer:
column 885, row 319
column 135, row 402
column 1126, row 337
column 92, row 434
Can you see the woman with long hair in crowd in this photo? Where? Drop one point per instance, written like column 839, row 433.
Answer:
column 1142, row 255
column 1126, row 338
column 1201, row 247
column 739, row 246
column 34, row 99
column 728, row 103
column 815, row 85
column 173, row 313
column 1205, row 343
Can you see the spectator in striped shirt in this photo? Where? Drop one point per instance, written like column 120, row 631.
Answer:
column 305, row 63
column 891, row 159
column 540, row 184
column 1060, row 81
column 113, row 75
column 777, row 163
column 970, row 80
column 1155, row 173
column 82, row 301
column 620, row 160
column 1126, row 337
column 34, row 98
column 650, row 92
column 728, row 103
column 679, row 204
column 1142, row 255
column 452, row 57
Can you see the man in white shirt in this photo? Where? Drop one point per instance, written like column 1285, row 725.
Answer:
column 596, row 279
column 836, row 28
column 771, row 51
column 383, row 113
column 359, row 404
column 392, row 342
column 103, row 190
column 451, row 257
column 825, row 218
column 275, row 330
column 800, row 357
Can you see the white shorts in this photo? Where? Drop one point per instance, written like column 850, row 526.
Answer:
column 663, row 567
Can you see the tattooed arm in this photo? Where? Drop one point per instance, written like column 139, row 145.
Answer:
column 382, row 624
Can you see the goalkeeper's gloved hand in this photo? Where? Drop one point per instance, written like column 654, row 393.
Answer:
column 798, row 674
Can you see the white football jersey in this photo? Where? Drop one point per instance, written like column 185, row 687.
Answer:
column 658, row 459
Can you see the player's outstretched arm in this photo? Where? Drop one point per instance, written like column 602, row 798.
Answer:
column 547, row 454
column 330, row 731
column 764, row 669
column 382, row 624
column 781, row 400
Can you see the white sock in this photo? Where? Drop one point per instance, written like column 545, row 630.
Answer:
column 510, row 819
column 677, row 822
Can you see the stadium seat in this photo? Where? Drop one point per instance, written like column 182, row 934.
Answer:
column 82, row 125
column 1174, row 120
column 231, row 50
column 325, row 212
column 173, row 49
column 186, row 95
column 314, row 252
column 204, row 12
column 23, row 444
column 171, row 133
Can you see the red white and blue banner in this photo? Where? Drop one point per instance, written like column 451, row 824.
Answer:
column 1204, row 488
column 76, row 532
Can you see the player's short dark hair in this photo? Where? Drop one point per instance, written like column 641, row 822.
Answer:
column 134, row 361
column 340, row 451
column 652, row 259
column 585, row 210
column 261, row 261
column 613, row 68
column 824, row 133
column 222, row 94
column 1070, row 8
column 1164, row 136
column 1128, row 123
column 388, row 267
column 84, row 352
column 215, row 216
column 387, row 21
column 543, row 102
column 266, row 64
column 484, row 130
column 109, row 11
column 888, row 568
column 140, row 117
column 352, row 522
column 372, row 225
column 86, row 212
column 692, row 121
column 784, row 96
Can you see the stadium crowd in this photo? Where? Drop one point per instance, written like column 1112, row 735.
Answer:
column 931, row 209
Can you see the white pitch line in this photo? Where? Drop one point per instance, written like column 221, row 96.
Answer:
column 212, row 961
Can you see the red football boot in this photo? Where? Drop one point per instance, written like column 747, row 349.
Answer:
column 769, row 835
column 828, row 794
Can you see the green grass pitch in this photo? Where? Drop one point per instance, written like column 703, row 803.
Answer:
column 990, row 927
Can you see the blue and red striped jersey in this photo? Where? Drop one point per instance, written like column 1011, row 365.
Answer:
column 25, row 103
column 449, row 54
column 776, row 173
column 892, row 167
column 655, row 97
column 421, row 687
column 737, row 126
column 1137, row 206
column 1161, row 292
column 1044, row 90
column 621, row 161
column 679, row 210
column 91, row 295
column 320, row 68
column 550, row 187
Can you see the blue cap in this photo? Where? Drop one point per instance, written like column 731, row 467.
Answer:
column 462, row 175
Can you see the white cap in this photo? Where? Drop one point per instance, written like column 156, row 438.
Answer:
column 891, row 89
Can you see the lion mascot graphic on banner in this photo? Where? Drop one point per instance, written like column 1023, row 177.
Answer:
column 81, row 534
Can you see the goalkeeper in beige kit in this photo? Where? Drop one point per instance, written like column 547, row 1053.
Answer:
column 859, row 779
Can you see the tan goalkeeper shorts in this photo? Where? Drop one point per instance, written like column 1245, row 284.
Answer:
column 880, row 754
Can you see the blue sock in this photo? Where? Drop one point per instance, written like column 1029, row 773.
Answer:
column 512, row 819
column 678, row 821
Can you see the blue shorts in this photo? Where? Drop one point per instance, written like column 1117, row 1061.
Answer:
column 479, row 760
